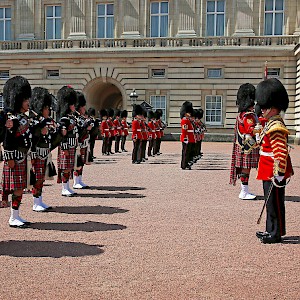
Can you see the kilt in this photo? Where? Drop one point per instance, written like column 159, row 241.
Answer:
column 246, row 161
column 16, row 178
column 66, row 162
column 39, row 168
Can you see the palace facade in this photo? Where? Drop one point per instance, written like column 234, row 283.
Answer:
column 167, row 51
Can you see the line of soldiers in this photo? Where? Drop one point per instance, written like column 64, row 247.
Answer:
column 29, row 134
column 192, row 134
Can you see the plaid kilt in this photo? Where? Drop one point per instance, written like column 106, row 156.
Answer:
column 39, row 168
column 246, row 161
column 66, row 162
column 16, row 178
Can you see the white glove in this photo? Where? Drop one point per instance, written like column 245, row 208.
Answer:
column 186, row 141
column 279, row 178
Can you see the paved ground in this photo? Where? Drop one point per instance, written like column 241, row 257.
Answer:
column 152, row 231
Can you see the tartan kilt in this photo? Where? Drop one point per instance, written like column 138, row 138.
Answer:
column 11, row 177
column 66, row 162
column 246, row 161
column 39, row 168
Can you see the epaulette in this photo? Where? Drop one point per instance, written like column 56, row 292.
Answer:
column 276, row 125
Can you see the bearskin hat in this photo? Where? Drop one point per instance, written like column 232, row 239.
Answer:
column 272, row 93
column 159, row 113
column 197, row 113
column 145, row 113
column 137, row 110
column 40, row 99
column 110, row 112
column 81, row 102
column 124, row 114
column 103, row 113
column 201, row 113
column 66, row 96
column 187, row 107
column 150, row 114
column 15, row 91
column 117, row 113
column 91, row 112
column 257, row 109
column 245, row 97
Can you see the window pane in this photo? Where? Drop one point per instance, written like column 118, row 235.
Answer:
column 221, row 6
column 164, row 26
column 101, row 10
column 49, row 30
column 154, row 26
column 220, row 25
column 278, row 24
column 101, row 28
column 57, row 28
column 164, row 7
column 49, row 11
column 8, row 30
column 210, row 6
column 110, row 9
column 210, row 25
column 268, row 5
column 154, row 8
column 268, row 24
column 1, row 13
column 57, row 11
column 279, row 5
column 1, row 31
column 110, row 28
column 8, row 13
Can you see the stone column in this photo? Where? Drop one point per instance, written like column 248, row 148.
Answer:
column 186, row 11
column 297, row 31
column 131, row 15
column 244, row 18
column 25, row 15
column 77, row 24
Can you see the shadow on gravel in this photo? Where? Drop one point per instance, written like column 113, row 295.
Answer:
column 86, row 227
column 92, row 210
column 55, row 249
column 287, row 198
column 290, row 240
column 116, row 188
column 119, row 195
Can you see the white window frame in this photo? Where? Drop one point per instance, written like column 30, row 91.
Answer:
column 106, row 17
column 5, row 21
column 212, row 99
column 212, row 71
column 3, row 74
column 159, row 15
column 158, row 73
column 53, row 19
column 215, row 13
column 52, row 71
column 273, row 73
column 164, row 109
column 273, row 12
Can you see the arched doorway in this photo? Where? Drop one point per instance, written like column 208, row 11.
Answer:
column 102, row 94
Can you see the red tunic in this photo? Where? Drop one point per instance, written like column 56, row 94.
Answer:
column 274, row 157
column 187, row 131
column 144, row 131
column 152, row 131
column 247, row 122
column 117, row 127
column 104, row 129
column 111, row 127
column 136, row 129
column 157, row 130
column 124, row 127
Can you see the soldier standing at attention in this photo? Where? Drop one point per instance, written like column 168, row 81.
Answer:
column 136, row 134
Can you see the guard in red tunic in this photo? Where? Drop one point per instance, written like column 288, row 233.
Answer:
column 187, row 136
column 144, row 127
column 245, row 149
column 117, row 130
column 125, row 131
column 274, row 167
column 157, row 134
column 136, row 134
column 16, row 144
column 152, row 133
column 111, row 126
column 105, row 132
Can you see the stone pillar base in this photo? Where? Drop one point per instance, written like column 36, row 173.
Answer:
column 26, row 36
column 131, row 35
column 244, row 32
column 297, row 32
column 186, row 33
column 77, row 36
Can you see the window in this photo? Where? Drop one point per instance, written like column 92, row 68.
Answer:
column 215, row 19
column 159, row 19
column 214, row 73
column 5, row 23
column 158, row 73
column 105, row 21
column 1, row 101
column 52, row 74
column 159, row 102
column 4, row 74
column 213, row 110
column 273, row 72
column 53, row 22
column 274, row 17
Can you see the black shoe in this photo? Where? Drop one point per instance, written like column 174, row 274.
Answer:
column 133, row 161
column 137, row 162
column 261, row 234
column 269, row 239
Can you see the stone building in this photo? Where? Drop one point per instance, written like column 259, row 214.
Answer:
column 168, row 51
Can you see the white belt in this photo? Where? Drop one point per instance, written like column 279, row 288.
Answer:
column 139, row 130
column 263, row 153
column 106, row 129
column 190, row 130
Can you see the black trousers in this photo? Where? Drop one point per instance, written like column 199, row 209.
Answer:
column 110, row 139
column 105, row 142
column 275, row 223
column 150, row 147
column 92, row 145
column 157, row 145
column 117, row 143
column 143, row 148
column 123, row 141
column 136, row 152
column 186, row 154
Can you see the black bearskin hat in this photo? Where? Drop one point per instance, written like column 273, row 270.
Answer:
column 245, row 97
column 159, row 113
column 103, row 113
column 66, row 96
column 197, row 113
column 124, row 114
column 91, row 112
column 201, row 113
column 15, row 91
column 137, row 110
column 150, row 114
column 81, row 102
column 40, row 99
column 144, row 113
column 187, row 107
column 117, row 113
column 110, row 112
column 272, row 93
column 257, row 109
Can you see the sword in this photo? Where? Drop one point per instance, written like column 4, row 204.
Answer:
column 266, row 201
